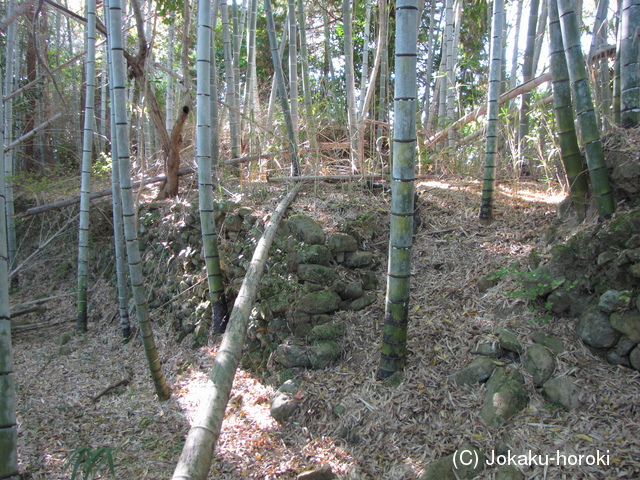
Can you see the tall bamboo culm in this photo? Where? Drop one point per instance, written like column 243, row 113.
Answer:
column 122, row 279
column 629, row 65
column 87, row 153
column 588, row 131
column 128, row 209
column 282, row 90
column 205, row 178
column 563, row 108
column 491, row 149
column 394, row 340
column 8, row 427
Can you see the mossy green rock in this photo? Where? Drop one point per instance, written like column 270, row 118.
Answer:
column 362, row 302
column 508, row 472
column 316, row 273
column 322, row 301
column 539, row 362
column 292, row 356
column 451, row 467
column 316, row 254
column 564, row 392
column 596, row 330
column 341, row 242
column 327, row 331
column 477, row 371
column 506, row 396
column 509, row 341
column 359, row 259
column 305, row 229
column 321, row 355
column 552, row 342
column 628, row 323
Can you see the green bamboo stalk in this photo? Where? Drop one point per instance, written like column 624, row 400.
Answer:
column 563, row 108
column 352, row 115
column 87, row 152
column 128, row 208
column 491, row 149
column 293, row 66
column 588, row 131
column 527, row 75
column 8, row 426
column 8, row 155
column 229, row 72
column 205, row 179
column 629, row 65
column 118, row 226
column 394, row 340
column 306, row 81
column 282, row 90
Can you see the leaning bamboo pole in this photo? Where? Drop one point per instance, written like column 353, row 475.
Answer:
column 482, row 110
column 197, row 453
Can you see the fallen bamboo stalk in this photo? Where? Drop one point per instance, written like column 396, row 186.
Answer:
column 327, row 178
column 40, row 301
column 195, row 460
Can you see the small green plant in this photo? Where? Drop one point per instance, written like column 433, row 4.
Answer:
column 88, row 461
column 625, row 296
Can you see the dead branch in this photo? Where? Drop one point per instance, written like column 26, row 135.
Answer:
column 93, row 196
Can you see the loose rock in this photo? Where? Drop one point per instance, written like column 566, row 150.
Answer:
column 564, row 392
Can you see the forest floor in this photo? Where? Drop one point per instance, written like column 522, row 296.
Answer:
column 384, row 433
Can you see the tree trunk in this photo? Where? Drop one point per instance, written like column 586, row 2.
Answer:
column 491, row 150
column 169, row 188
column 128, row 210
column 195, row 460
column 588, row 132
column 394, row 350
column 87, row 154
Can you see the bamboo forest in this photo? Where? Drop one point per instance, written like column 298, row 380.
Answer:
column 339, row 239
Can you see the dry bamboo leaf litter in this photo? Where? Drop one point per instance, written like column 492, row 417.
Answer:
column 383, row 433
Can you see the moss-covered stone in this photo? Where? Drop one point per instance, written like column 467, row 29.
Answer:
column 305, row 229
column 539, row 362
column 506, row 396
column 627, row 322
column 564, row 392
column 316, row 273
column 316, row 254
column 321, row 355
column 327, row 331
column 342, row 242
column 322, row 301
column 477, row 371
column 358, row 259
